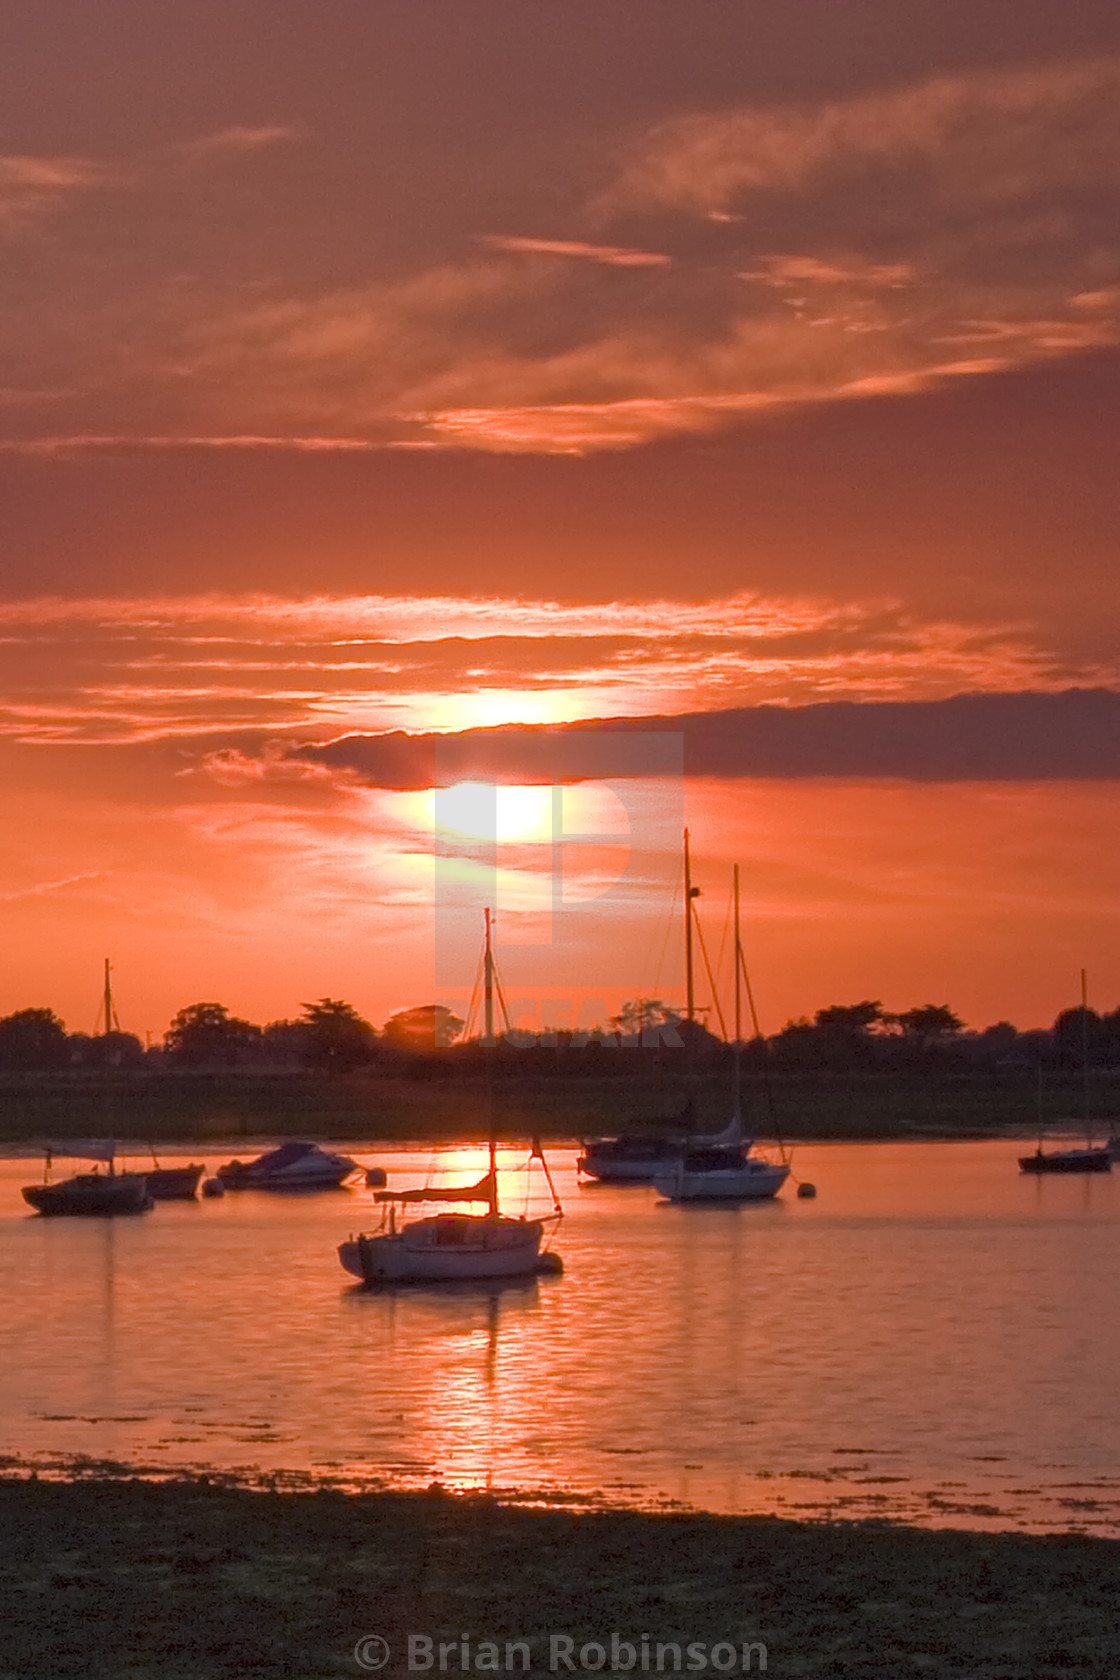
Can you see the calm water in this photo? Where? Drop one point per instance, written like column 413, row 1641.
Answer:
column 935, row 1338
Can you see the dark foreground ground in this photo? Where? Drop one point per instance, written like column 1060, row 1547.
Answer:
column 187, row 1581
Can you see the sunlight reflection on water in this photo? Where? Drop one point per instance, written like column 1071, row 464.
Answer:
column 930, row 1339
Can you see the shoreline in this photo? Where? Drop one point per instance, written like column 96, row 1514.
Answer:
column 242, row 1144
column 193, row 1578
column 239, row 1109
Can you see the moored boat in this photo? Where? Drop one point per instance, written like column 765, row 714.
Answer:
column 446, row 1248
column 723, row 1170
column 455, row 1247
column 175, row 1184
column 1093, row 1158
column 293, row 1166
column 91, row 1194
column 635, row 1157
column 1067, row 1161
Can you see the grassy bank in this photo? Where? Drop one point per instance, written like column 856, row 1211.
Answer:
column 195, row 1107
column 188, row 1581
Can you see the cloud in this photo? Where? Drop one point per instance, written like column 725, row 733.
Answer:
column 34, row 187
column 105, row 671
column 992, row 136
column 137, row 444
column 782, row 272
column 45, row 889
column 732, row 265
column 613, row 256
column 1070, row 736
column 238, row 140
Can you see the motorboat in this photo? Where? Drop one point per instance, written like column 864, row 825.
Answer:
column 455, row 1247
column 293, row 1166
column 95, row 1194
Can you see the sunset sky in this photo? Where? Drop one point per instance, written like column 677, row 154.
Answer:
column 380, row 373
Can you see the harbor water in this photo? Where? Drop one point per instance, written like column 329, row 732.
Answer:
column 932, row 1339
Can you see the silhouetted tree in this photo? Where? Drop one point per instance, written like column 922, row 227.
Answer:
column 929, row 1022
column 1078, row 1032
column 105, row 1050
column 206, row 1033
column 335, row 1036
column 32, row 1040
column 851, row 1020
column 428, row 1026
column 642, row 1018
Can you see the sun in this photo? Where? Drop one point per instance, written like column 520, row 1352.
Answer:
column 508, row 815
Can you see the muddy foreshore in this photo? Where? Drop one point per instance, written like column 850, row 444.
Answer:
column 190, row 1580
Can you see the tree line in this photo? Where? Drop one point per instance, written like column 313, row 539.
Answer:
column 331, row 1036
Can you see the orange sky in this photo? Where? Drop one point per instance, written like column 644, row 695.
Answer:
column 431, row 369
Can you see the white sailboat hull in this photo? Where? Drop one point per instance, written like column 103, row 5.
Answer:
column 447, row 1248
column 754, row 1181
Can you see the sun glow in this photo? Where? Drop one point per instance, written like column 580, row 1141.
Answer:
column 507, row 815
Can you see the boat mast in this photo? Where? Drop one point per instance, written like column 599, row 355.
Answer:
column 108, row 1009
column 488, row 1041
column 1085, row 1058
column 488, row 985
column 738, row 1002
column 690, row 989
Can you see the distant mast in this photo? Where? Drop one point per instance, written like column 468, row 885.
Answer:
column 1085, row 1104
column 738, row 1052
column 690, row 989
column 488, row 1040
column 108, row 1008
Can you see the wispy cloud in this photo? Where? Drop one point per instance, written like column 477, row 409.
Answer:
column 237, row 141
column 783, row 272
column 994, row 136
column 172, row 669
column 733, row 263
column 46, row 889
column 33, row 187
column 137, row 443
column 613, row 256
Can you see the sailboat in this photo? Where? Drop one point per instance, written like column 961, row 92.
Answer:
column 723, row 1168
column 1091, row 1159
column 636, row 1157
column 456, row 1247
column 94, row 1193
